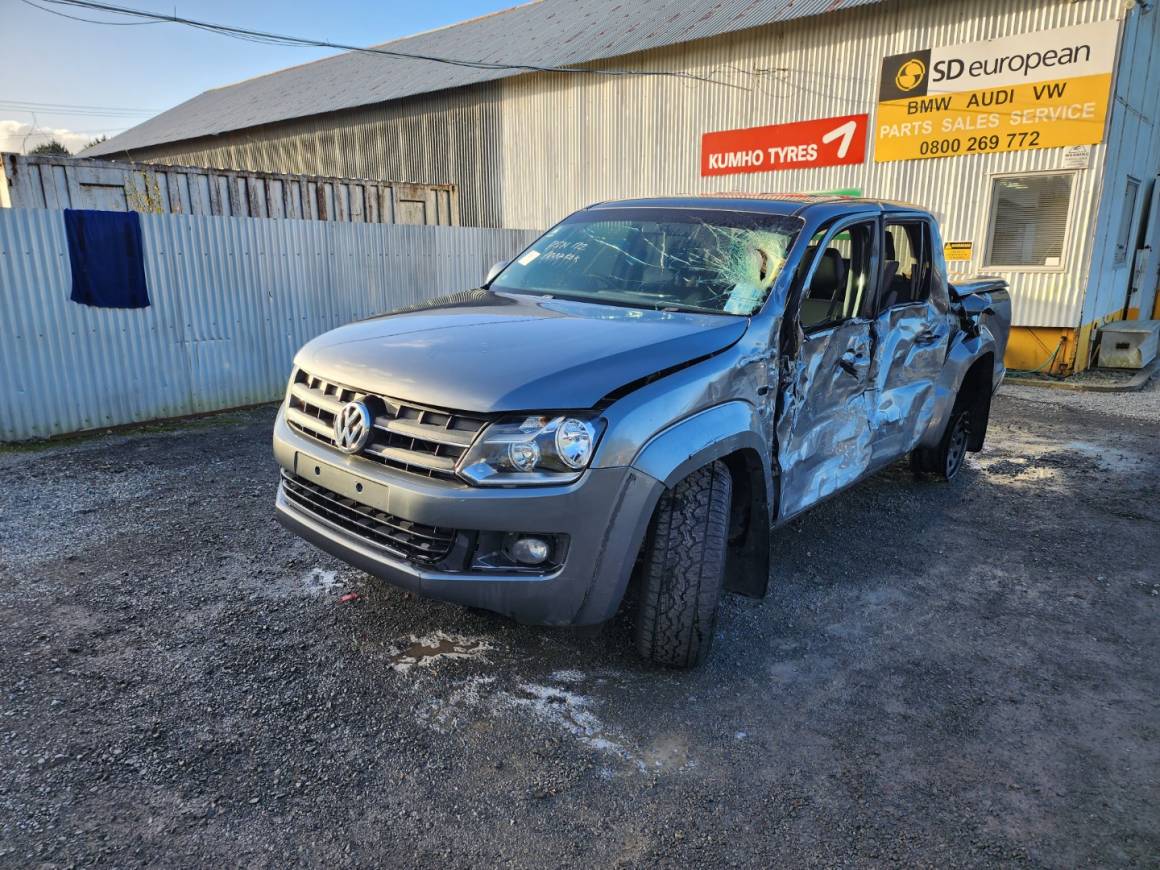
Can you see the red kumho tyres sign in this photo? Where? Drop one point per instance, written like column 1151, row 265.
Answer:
column 802, row 145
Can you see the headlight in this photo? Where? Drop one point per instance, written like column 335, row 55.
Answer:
column 532, row 449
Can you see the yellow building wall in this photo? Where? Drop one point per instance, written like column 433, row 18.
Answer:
column 1030, row 348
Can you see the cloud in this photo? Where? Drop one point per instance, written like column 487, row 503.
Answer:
column 19, row 136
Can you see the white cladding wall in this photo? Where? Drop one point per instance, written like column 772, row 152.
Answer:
column 571, row 140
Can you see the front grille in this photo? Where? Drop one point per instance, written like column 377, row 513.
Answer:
column 412, row 541
column 419, row 440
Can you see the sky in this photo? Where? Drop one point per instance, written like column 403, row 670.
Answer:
column 112, row 77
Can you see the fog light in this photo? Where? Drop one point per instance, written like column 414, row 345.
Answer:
column 530, row 551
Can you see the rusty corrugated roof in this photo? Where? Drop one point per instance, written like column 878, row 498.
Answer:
column 545, row 33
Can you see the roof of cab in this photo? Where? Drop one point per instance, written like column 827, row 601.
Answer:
column 767, row 203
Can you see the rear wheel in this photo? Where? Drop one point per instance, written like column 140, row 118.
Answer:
column 684, row 569
column 952, row 454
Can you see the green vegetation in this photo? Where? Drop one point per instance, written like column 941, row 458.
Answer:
column 51, row 147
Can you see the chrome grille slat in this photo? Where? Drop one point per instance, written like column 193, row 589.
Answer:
column 317, row 398
column 313, row 424
column 416, row 542
column 428, row 461
column 434, row 434
column 427, row 442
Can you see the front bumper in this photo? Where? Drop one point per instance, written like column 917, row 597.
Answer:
column 605, row 515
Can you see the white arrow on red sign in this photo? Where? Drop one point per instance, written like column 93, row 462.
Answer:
column 845, row 133
column 800, row 145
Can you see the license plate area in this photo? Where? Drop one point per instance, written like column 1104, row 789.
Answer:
column 342, row 482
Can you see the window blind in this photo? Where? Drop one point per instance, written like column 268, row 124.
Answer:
column 1029, row 217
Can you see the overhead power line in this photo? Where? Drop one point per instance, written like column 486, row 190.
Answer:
column 110, row 131
column 70, row 113
column 86, row 20
column 75, row 108
column 307, row 42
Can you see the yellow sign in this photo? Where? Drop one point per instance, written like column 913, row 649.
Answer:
column 957, row 250
column 1042, row 90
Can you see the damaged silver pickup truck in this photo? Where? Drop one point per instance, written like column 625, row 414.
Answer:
column 654, row 383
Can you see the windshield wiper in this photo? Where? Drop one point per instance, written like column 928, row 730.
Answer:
column 690, row 309
column 569, row 297
column 596, row 298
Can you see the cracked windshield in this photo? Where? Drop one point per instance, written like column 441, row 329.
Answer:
column 669, row 260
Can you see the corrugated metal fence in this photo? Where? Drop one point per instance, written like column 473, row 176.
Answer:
column 232, row 300
column 52, row 182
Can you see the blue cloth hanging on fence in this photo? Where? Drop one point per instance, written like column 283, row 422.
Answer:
column 108, row 266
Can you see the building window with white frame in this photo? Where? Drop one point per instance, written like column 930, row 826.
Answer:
column 1028, row 221
column 1127, row 220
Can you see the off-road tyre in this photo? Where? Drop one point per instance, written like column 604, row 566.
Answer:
column 684, row 569
column 945, row 460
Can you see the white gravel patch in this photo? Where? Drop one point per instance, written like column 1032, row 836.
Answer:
column 319, row 581
column 566, row 676
column 570, row 712
column 461, row 707
column 563, row 710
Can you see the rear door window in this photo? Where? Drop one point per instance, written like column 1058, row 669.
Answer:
column 906, row 265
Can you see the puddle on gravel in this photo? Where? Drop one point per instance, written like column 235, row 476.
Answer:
column 423, row 652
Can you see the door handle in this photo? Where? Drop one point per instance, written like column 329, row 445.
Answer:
column 927, row 336
column 849, row 361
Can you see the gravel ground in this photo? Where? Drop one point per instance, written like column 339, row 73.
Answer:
column 943, row 675
column 1143, row 405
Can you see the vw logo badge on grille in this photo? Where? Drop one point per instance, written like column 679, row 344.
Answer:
column 352, row 427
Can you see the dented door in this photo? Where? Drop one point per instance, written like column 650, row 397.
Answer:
column 826, row 421
column 823, row 428
column 910, row 335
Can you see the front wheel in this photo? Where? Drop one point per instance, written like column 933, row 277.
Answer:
column 684, row 568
